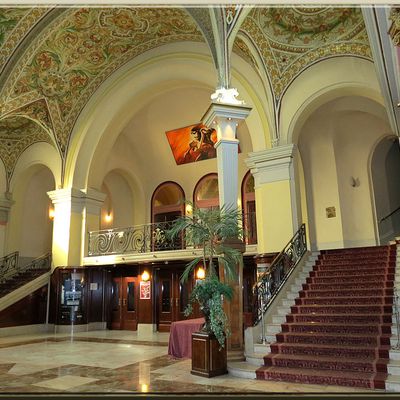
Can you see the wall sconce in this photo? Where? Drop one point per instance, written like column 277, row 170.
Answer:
column 201, row 273
column 354, row 182
column 188, row 209
column 51, row 213
column 108, row 217
column 145, row 276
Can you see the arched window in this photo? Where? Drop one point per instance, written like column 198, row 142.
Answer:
column 206, row 194
column 167, row 202
column 249, row 209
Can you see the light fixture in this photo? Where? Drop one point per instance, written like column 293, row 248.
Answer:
column 108, row 217
column 145, row 276
column 201, row 273
column 189, row 209
column 51, row 213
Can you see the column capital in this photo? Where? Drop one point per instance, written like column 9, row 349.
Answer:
column 271, row 165
column 69, row 196
column 222, row 111
column 90, row 198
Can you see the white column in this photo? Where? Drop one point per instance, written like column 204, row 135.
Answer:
column 225, row 117
column 93, row 204
column 67, row 226
column 75, row 212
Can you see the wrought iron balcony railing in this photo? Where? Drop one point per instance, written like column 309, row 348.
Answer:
column 270, row 282
column 147, row 238
column 135, row 239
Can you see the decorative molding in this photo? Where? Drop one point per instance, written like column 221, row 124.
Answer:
column 291, row 39
column 221, row 110
column 272, row 165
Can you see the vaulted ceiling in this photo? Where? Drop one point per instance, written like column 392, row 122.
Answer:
column 52, row 60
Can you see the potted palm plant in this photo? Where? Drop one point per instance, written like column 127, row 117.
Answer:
column 213, row 231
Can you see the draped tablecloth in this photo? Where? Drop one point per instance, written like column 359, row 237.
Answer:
column 180, row 337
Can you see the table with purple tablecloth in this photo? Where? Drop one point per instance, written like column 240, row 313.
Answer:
column 180, row 337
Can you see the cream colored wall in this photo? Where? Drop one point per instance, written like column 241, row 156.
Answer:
column 315, row 145
column 137, row 83
column 30, row 228
column 144, row 152
column 119, row 201
column 321, row 83
column 335, row 144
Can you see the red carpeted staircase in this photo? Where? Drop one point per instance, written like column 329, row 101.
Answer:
column 338, row 331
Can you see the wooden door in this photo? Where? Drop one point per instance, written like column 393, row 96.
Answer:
column 173, row 297
column 124, row 301
column 129, row 303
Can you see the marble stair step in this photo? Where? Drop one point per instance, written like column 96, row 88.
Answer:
column 242, row 369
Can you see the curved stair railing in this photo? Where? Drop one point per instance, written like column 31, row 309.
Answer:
column 40, row 263
column 9, row 266
column 10, row 270
column 271, row 281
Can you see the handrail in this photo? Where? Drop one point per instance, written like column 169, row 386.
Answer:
column 389, row 215
column 270, row 282
column 144, row 238
column 9, row 266
column 41, row 262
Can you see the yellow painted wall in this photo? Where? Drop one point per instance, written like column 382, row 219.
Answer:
column 274, row 216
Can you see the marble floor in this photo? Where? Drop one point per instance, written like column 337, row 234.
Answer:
column 117, row 362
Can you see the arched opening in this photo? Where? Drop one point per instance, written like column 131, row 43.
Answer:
column 167, row 202
column 335, row 144
column 206, row 194
column 117, row 209
column 31, row 228
column 249, row 209
column 385, row 164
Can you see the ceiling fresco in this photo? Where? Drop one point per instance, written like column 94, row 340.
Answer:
column 290, row 39
column 16, row 135
column 80, row 49
column 52, row 60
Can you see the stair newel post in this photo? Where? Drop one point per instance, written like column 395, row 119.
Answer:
column 261, row 296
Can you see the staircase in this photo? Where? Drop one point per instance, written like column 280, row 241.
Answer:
column 338, row 331
column 13, row 276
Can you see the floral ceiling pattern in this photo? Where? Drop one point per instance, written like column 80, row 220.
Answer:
column 291, row 39
column 17, row 134
column 79, row 50
column 52, row 60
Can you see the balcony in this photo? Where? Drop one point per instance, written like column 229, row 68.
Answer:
column 147, row 242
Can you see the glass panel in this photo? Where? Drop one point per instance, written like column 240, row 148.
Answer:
column 130, row 296
column 115, row 295
column 183, row 297
column 170, row 194
column 208, row 189
column 166, row 296
column 250, row 185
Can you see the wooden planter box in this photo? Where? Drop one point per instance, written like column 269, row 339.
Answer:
column 207, row 359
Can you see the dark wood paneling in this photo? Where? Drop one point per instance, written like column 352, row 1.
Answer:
column 95, row 296
column 27, row 311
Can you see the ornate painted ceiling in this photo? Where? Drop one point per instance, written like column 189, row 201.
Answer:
column 53, row 60
column 288, row 40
